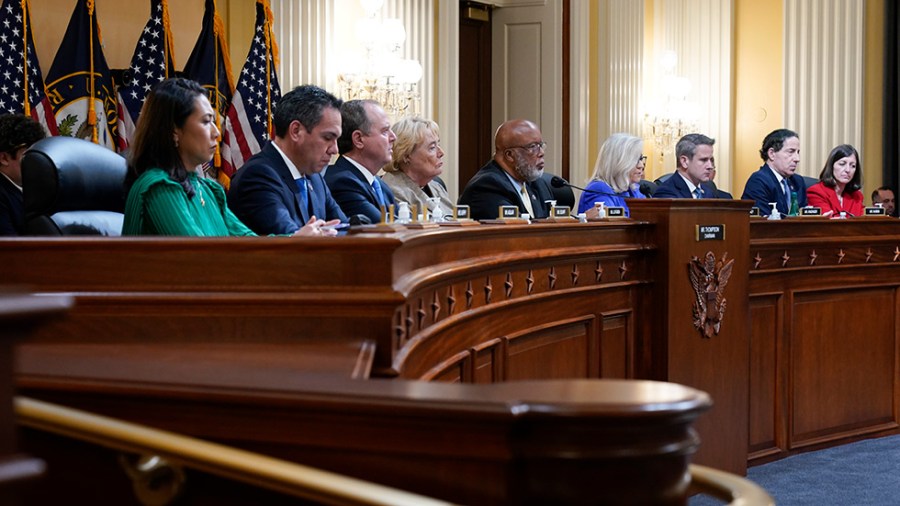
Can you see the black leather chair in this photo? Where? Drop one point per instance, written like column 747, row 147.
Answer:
column 564, row 195
column 72, row 187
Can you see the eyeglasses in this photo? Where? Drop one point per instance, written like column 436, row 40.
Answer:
column 533, row 148
column 642, row 159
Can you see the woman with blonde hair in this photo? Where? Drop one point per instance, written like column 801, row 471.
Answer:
column 417, row 160
column 617, row 173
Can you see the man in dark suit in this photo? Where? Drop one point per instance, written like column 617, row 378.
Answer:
column 279, row 190
column 693, row 177
column 365, row 146
column 513, row 176
column 777, row 180
column 17, row 134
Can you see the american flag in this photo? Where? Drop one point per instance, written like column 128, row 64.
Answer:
column 151, row 63
column 17, row 71
column 247, row 123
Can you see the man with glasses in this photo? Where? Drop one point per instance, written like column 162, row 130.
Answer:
column 17, row 134
column 365, row 145
column 513, row 176
column 696, row 163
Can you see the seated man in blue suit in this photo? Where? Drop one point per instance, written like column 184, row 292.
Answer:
column 279, row 190
column 513, row 176
column 696, row 163
column 17, row 134
column 776, row 180
column 365, row 146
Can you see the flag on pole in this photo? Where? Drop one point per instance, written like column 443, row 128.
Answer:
column 248, row 122
column 79, row 83
column 20, row 69
column 210, row 65
column 152, row 62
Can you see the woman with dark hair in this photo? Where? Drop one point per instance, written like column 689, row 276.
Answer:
column 838, row 190
column 175, row 136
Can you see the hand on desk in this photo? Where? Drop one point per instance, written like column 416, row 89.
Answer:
column 317, row 228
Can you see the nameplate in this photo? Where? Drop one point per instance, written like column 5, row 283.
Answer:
column 875, row 211
column 754, row 211
column 561, row 212
column 811, row 211
column 615, row 212
column 506, row 212
column 711, row 232
column 462, row 213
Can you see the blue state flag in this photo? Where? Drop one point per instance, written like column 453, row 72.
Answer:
column 79, row 83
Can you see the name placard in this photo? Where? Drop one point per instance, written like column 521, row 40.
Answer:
column 754, row 211
column 462, row 213
column 875, row 211
column 710, row 232
column 615, row 212
column 811, row 211
column 560, row 211
column 508, row 212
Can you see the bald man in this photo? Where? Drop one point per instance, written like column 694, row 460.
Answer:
column 513, row 176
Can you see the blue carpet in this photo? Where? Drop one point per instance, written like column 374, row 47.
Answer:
column 866, row 472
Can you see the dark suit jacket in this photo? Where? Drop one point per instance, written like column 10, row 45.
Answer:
column 674, row 187
column 12, row 208
column 763, row 188
column 353, row 193
column 265, row 197
column 490, row 188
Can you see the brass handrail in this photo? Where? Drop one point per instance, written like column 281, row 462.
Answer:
column 729, row 487
column 239, row 465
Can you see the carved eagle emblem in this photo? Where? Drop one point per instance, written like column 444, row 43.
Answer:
column 708, row 278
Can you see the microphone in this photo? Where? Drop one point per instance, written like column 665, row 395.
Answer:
column 558, row 182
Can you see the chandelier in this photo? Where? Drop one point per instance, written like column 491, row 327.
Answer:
column 671, row 116
column 381, row 73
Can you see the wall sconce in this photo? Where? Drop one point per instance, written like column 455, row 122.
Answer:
column 381, row 73
column 671, row 116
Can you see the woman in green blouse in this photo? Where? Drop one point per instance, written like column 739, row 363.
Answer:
column 175, row 135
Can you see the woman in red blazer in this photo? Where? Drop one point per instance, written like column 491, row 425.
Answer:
column 838, row 190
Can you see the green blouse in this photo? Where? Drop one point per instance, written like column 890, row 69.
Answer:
column 158, row 205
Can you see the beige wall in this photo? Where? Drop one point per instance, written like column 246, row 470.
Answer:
column 121, row 22
column 873, row 118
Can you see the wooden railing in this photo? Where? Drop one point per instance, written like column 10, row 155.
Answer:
column 728, row 487
column 233, row 464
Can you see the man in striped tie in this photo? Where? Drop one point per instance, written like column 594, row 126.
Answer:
column 776, row 181
column 365, row 146
column 696, row 164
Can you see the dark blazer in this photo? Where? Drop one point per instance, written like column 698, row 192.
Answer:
column 674, row 187
column 490, row 188
column 763, row 187
column 12, row 208
column 265, row 197
column 352, row 192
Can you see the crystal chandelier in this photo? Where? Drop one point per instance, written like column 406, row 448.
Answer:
column 672, row 116
column 381, row 74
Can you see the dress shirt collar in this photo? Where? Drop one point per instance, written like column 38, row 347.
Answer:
column 364, row 171
column 287, row 161
column 691, row 186
column 11, row 181
column 778, row 176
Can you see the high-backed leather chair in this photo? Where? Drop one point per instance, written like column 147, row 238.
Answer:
column 72, row 187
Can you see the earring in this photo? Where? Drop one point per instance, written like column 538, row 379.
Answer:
column 176, row 142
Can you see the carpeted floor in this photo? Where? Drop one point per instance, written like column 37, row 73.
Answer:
column 864, row 473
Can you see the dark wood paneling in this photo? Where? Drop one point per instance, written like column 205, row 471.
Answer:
column 617, row 346
column 475, row 131
column 765, row 334
column 842, row 345
column 553, row 351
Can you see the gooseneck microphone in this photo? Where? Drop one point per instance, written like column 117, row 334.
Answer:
column 558, row 182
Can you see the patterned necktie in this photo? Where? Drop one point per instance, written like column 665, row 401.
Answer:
column 379, row 195
column 698, row 194
column 526, row 199
column 304, row 193
column 787, row 195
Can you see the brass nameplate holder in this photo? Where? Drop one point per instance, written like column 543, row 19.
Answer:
column 754, row 212
column 386, row 225
column 710, row 232
column 462, row 217
column 811, row 211
column 559, row 214
column 507, row 215
column 615, row 212
column 875, row 211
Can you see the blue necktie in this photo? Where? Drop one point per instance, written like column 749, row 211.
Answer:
column 379, row 195
column 304, row 193
column 787, row 195
column 698, row 193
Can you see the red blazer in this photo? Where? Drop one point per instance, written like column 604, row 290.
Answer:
column 822, row 196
